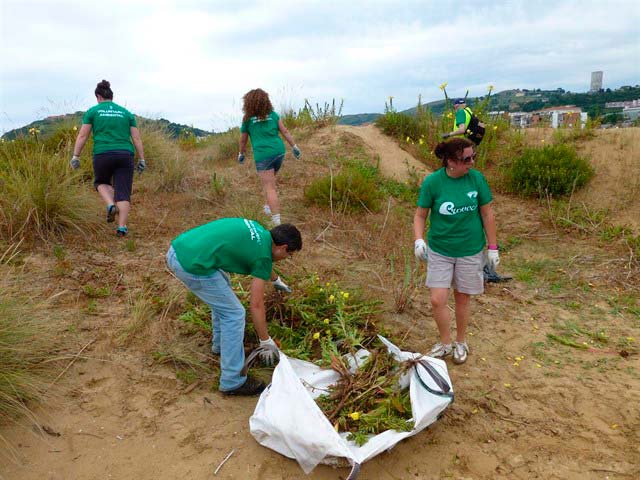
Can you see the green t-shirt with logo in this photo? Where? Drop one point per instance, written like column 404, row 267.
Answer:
column 265, row 136
column 235, row 245
column 455, row 223
column 111, row 126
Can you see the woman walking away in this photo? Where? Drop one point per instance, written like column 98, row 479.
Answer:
column 262, row 125
column 459, row 200
column 114, row 136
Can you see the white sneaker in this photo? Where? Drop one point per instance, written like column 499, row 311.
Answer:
column 441, row 350
column 275, row 219
column 460, row 352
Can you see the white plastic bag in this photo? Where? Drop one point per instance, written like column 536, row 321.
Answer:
column 288, row 420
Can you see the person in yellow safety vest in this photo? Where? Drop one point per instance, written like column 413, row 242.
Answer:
column 461, row 119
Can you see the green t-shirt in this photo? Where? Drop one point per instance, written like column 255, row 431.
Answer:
column 111, row 126
column 235, row 245
column 462, row 116
column 455, row 223
column 265, row 138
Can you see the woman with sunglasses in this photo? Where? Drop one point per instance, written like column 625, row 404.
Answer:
column 461, row 223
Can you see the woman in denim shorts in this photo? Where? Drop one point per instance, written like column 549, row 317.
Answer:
column 264, row 126
column 461, row 223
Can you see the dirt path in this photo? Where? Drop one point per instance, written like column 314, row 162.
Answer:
column 394, row 162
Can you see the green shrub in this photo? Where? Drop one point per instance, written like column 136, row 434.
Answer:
column 167, row 165
column 551, row 170
column 352, row 189
column 310, row 116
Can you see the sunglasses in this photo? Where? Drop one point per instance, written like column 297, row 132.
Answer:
column 469, row 159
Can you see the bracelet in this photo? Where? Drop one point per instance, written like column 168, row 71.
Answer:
column 493, row 247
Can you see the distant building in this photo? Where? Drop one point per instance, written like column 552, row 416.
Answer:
column 631, row 113
column 625, row 104
column 596, row 82
column 565, row 116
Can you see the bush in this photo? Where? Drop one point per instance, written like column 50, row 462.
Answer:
column 168, row 168
column 551, row 170
column 353, row 189
column 41, row 196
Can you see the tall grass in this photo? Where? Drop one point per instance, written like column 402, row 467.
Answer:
column 168, row 168
column 26, row 349
column 41, row 195
column 313, row 116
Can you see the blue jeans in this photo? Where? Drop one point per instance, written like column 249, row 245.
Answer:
column 227, row 319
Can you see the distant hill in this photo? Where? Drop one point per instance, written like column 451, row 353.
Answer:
column 50, row 124
column 523, row 100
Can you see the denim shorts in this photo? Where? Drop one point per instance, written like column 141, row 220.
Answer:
column 270, row 163
column 464, row 274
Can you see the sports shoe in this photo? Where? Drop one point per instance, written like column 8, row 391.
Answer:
column 460, row 352
column 122, row 231
column 111, row 213
column 252, row 386
column 441, row 350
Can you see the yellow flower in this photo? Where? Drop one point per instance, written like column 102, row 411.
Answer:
column 614, row 426
column 516, row 364
column 495, row 127
column 490, row 88
column 328, row 332
column 355, row 415
column 475, row 410
column 331, row 298
column 443, row 86
column 408, row 139
column 631, row 339
column 507, row 385
column 316, row 335
column 328, row 284
column 326, row 320
column 542, row 140
column 519, row 358
column 421, row 141
column 75, row 128
column 538, row 365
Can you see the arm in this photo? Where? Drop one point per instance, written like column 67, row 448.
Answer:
column 462, row 129
column 83, row 136
column 285, row 133
column 419, row 222
column 137, row 142
column 244, row 137
column 489, row 223
column 256, row 305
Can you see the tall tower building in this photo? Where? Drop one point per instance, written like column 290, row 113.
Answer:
column 596, row 82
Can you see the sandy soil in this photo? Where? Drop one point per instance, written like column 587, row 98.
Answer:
column 556, row 413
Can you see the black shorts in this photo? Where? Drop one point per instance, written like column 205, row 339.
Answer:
column 114, row 168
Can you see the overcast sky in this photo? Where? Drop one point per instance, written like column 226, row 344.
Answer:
column 191, row 61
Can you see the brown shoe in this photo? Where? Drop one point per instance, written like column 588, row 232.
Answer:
column 252, row 386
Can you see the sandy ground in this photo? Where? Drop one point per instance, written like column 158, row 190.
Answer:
column 556, row 413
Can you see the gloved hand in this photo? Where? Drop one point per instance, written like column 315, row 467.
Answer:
column 141, row 165
column 493, row 258
column 281, row 286
column 75, row 162
column 241, row 158
column 296, row 152
column 420, row 250
column 269, row 352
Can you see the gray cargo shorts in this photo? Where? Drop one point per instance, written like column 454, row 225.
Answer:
column 464, row 274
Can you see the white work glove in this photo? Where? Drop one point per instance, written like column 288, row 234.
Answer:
column 241, row 158
column 75, row 162
column 141, row 165
column 420, row 250
column 493, row 258
column 296, row 152
column 269, row 352
column 281, row 286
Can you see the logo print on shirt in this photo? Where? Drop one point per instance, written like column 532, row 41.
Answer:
column 253, row 231
column 472, row 194
column 449, row 208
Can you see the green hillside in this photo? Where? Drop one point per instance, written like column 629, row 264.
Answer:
column 527, row 101
column 48, row 125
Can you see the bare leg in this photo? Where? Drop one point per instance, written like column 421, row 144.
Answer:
column 441, row 314
column 106, row 193
column 463, row 314
column 123, row 212
column 268, row 178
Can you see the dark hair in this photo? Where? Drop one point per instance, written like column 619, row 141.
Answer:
column 451, row 149
column 287, row 234
column 104, row 90
column 256, row 103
